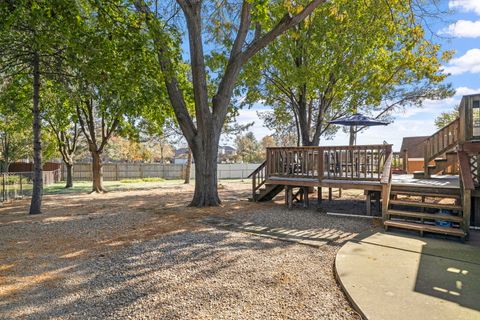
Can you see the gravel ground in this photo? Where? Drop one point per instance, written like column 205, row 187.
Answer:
column 194, row 272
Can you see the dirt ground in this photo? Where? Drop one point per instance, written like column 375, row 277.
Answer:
column 79, row 227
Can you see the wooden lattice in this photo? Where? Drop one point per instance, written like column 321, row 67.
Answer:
column 474, row 168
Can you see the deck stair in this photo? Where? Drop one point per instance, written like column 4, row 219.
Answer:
column 440, row 148
column 422, row 214
column 446, row 164
column 268, row 192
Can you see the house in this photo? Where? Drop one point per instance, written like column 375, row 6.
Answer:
column 412, row 153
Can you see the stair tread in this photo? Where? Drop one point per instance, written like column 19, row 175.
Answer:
column 423, row 215
column 425, row 227
column 268, row 192
column 426, row 204
column 426, row 194
column 440, row 159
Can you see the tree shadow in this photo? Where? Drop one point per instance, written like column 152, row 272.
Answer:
column 106, row 286
column 450, row 272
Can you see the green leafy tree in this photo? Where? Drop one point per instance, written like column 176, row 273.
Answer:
column 115, row 78
column 237, row 30
column 15, row 117
column 249, row 150
column 32, row 42
column 348, row 56
column 60, row 115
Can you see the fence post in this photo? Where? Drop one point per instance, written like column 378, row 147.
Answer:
column 21, row 186
column 116, row 171
column 3, row 187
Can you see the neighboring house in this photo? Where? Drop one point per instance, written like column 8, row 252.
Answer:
column 412, row 153
column 226, row 154
column 181, row 156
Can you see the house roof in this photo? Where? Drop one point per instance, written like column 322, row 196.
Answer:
column 227, row 148
column 181, row 151
column 414, row 146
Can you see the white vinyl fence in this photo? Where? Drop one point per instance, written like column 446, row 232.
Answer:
column 120, row 171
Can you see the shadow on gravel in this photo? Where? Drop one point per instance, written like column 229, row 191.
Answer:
column 161, row 272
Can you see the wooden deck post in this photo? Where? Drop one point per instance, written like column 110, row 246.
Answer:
column 467, row 208
column 306, row 202
column 289, row 191
column 368, row 203
column 385, row 200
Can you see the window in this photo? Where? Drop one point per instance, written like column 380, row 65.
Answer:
column 476, row 118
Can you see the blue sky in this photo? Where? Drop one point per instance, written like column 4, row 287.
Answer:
column 460, row 31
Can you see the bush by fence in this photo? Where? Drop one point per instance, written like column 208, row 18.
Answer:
column 120, row 171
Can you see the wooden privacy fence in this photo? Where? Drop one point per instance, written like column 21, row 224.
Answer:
column 335, row 162
column 120, row 171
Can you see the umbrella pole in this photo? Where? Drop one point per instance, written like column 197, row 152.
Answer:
column 352, row 140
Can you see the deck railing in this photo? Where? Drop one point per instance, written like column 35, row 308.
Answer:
column 364, row 162
column 441, row 141
column 258, row 178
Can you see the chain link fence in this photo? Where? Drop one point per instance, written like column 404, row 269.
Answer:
column 16, row 185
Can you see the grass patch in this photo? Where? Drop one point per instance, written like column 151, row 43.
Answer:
column 142, row 180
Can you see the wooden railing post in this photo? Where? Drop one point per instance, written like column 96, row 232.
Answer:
column 425, row 160
column 321, row 170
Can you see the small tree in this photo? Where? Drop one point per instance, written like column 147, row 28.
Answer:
column 60, row 115
column 248, row 148
column 115, row 78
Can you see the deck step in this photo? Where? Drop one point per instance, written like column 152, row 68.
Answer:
column 422, row 215
column 418, row 174
column 426, row 194
column 426, row 205
column 425, row 227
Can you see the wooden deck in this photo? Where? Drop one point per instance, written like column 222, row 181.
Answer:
column 369, row 167
column 435, row 181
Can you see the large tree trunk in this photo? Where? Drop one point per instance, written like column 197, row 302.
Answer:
column 69, row 179
column 97, row 172
column 37, row 190
column 206, row 191
column 188, row 169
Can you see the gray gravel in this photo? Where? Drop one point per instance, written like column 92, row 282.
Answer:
column 203, row 274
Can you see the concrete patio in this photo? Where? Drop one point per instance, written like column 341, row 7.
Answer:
column 399, row 276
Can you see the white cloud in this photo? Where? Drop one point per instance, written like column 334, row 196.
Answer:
column 469, row 62
column 463, row 29
column 246, row 116
column 465, row 5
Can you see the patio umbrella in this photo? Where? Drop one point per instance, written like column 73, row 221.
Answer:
column 357, row 119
